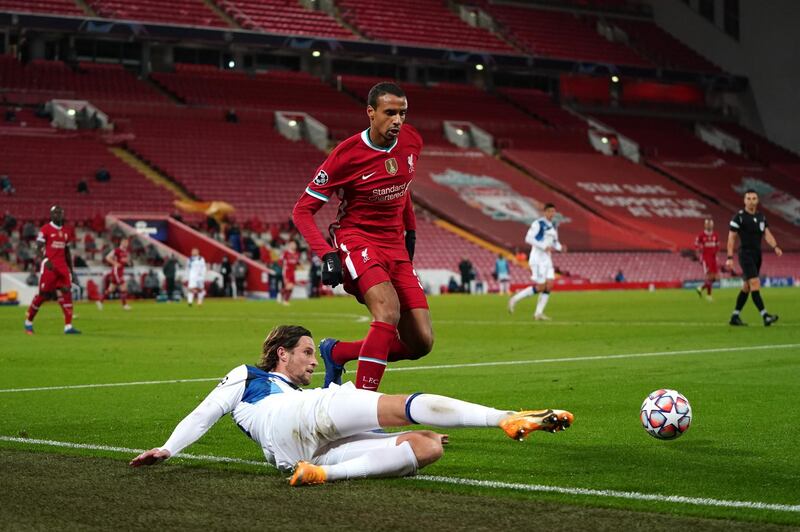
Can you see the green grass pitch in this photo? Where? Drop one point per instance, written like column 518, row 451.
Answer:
column 742, row 383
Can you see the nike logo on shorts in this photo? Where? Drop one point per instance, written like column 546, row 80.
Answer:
column 367, row 176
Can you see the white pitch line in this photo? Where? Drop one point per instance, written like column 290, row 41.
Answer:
column 630, row 495
column 445, row 366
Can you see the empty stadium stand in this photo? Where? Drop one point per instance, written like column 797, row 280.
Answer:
column 661, row 47
column 561, row 35
column 61, row 161
column 59, row 7
column 420, row 22
column 284, row 17
column 189, row 12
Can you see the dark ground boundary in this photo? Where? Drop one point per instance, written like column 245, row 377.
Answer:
column 41, row 490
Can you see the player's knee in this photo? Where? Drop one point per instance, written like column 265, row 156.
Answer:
column 421, row 346
column 427, row 446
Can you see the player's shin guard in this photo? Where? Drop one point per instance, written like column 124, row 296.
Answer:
column 65, row 300
column 741, row 299
column 38, row 299
column 374, row 354
column 758, row 302
column 446, row 412
column 397, row 461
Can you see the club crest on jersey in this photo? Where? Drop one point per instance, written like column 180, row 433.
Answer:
column 365, row 255
column 321, row 179
column 391, row 166
column 411, row 163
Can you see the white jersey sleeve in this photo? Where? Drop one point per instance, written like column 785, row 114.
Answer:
column 535, row 235
column 222, row 400
column 556, row 241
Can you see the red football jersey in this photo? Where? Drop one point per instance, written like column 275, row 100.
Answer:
column 372, row 184
column 707, row 244
column 121, row 256
column 289, row 261
column 55, row 243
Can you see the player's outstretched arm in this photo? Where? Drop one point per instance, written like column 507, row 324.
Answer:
column 151, row 457
column 731, row 246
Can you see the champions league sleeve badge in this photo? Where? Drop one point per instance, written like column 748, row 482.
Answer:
column 321, row 179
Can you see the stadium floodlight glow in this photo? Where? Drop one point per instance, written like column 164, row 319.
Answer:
column 231, row 63
column 292, row 123
column 479, row 67
column 71, row 112
column 316, row 53
column 604, row 140
column 459, row 131
column 615, row 79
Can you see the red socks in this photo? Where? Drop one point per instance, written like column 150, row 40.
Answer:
column 346, row 351
column 65, row 300
column 373, row 355
column 123, row 296
column 38, row 299
column 707, row 285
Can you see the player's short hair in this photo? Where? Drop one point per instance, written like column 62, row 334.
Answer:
column 549, row 206
column 750, row 191
column 384, row 87
column 286, row 336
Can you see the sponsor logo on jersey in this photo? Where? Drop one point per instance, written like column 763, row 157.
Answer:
column 321, row 179
column 391, row 165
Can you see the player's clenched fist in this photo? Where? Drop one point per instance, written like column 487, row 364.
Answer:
column 331, row 269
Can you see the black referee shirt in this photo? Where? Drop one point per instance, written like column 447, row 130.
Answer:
column 750, row 228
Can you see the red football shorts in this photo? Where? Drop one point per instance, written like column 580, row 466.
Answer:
column 118, row 275
column 366, row 264
column 710, row 265
column 288, row 277
column 52, row 280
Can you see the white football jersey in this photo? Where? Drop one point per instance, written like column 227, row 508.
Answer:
column 196, row 267
column 542, row 235
column 250, row 395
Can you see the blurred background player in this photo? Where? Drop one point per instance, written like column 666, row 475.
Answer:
column 374, row 235
column 290, row 258
column 118, row 258
column 543, row 238
column 750, row 225
column 707, row 246
column 196, row 277
column 56, row 271
column 503, row 274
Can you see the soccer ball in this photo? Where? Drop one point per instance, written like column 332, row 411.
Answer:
column 666, row 414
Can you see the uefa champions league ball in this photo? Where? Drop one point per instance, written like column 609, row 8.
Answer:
column 666, row 414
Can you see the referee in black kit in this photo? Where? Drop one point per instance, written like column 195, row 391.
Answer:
column 750, row 225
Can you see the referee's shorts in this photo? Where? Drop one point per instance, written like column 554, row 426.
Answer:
column 750, row 261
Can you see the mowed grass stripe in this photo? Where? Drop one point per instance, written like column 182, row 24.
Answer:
column 631, row 495
column 443, row 366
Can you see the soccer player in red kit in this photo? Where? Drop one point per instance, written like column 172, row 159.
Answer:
column 118, row 258
column 56, row 271
column 707, row 245
column 290, row 258
column 374, row 236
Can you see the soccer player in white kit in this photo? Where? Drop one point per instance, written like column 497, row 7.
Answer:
column 196, row 277
column 543, row 238
column 324, row 434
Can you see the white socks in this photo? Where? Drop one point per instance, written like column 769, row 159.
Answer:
column 543, row 297
column 397, row 461
column 445, row 412
column 200, row 295
column 190, row 297
column 522, row 294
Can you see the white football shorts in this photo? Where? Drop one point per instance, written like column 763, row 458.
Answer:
column 542, row 268
column 196, row 282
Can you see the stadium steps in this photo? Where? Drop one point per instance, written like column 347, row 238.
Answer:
column 488, row 246
column 522, row 109
column 134, row 161
column 163, row 89
column 86, row 8
column 222, row 14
